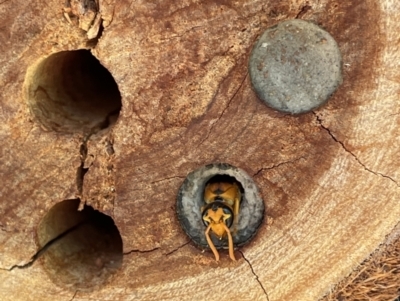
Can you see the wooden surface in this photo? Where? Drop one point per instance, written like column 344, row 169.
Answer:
column 329, row 178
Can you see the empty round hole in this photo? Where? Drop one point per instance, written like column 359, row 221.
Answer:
column 190, row 202
column 81, row 249
column 70, row 91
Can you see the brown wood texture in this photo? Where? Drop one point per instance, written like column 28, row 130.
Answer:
column 329, row 178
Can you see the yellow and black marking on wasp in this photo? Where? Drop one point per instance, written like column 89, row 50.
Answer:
column 221, row 212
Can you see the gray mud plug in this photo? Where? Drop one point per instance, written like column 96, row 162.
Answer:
column 295, row 66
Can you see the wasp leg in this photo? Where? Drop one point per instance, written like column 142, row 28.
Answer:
column 231, row 254
column 210, row 243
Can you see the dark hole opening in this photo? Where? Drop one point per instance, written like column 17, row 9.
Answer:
column 83, row 248
column 70, row 91
column 226, row 179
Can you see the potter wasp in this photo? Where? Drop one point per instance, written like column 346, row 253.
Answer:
column 221, row 211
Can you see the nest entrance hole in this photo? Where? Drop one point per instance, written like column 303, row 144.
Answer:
column 82, row 248
column 70, row 91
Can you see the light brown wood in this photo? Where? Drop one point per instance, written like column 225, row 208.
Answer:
column 329, row 178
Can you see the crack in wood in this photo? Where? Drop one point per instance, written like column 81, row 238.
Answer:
column 319, row 120
column 167, row 179
column 73, row 296
column 304, row 9
column 180, row 35
column 43, row 249
column 141, row 251
column 81, row 171
column 178, row 248
column 277, row 165
column 255, row 275
column 83, row 151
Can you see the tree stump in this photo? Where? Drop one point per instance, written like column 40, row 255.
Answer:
column 329, row 178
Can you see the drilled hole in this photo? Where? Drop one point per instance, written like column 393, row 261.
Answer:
column 82, row 248
column 70, row 91
column 190, row 202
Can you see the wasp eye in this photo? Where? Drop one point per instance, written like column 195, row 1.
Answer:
column 205, row 218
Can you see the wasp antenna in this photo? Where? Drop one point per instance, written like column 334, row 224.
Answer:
column 210, row 243
column 231, row 254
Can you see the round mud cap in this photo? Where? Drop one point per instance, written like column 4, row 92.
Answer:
column 295, row 66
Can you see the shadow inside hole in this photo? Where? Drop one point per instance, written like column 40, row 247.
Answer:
column 221, row 178
column 85, row 246
column 70, row 91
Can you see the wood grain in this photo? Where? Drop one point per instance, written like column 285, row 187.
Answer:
column 329, row 178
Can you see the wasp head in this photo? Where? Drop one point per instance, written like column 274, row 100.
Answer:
column 219, row 216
